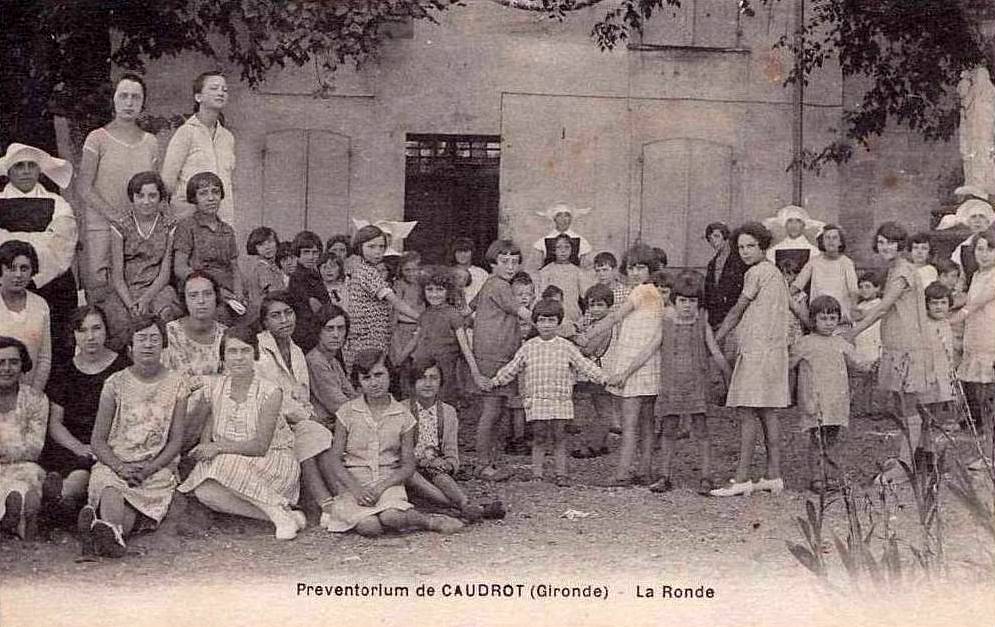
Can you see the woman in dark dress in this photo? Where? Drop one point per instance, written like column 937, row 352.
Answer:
column 75, row 387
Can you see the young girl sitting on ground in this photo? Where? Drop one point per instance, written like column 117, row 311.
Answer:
column 823, row 359
column 549, row 365
column 684, row 342
column 436, row 447
column 137, row 439
column 374, row 455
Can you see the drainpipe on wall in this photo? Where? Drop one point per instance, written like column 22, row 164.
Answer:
column 798, row 130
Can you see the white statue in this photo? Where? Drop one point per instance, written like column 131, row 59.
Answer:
column 977, row 128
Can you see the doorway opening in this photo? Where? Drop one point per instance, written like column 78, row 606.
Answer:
column 451, row 189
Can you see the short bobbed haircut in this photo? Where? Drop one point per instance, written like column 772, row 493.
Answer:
column 140, row 180
column 820, row 239
column 365, row 360
column 140, row 323
column 260, row 235
column 366, row 234
column 14, row 248
column 893, row 232
column 22, row 351
column 203, row 179
column 641, row 255
column 823, row 304
column 755, row 230
column 548, row 307
column 688, row 284
column 243, row 333
column 502, row 247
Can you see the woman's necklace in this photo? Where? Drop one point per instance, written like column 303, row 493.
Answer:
column 146, row 234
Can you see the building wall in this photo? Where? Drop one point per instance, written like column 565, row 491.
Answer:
column 693, row 124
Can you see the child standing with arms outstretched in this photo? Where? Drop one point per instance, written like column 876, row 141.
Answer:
column 548, row 364
column 496, row 338
column 685, row 343
column 823, row 359
column 759, row 385
column 832, row 273
column 640, row 317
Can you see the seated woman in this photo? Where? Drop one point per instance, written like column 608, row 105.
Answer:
column 436, row 448
column 373, row 456
column 23, row 314
column 194, row 345
column 136, row 439
column 204, row 242
column 282, row 362
column 23, row 416
column 141, row 259
column 330, row 385
column 75, row 387
column 245, row 460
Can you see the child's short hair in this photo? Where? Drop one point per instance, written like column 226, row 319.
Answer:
column 327, row 256
column 944, row 266
column 260, row 235
column 522, row 278
column 547, row 307
column 338, row 238
column 688, row 284
column 439, row 276
column 203, row 179
column 502, row 247
column 14, row 248
column 599, row 293
column 366, row 234
column 306, row 239
column 717, row 226
column 419, row 366
column 365, row 360
column 284, row 251
column 938, row 291
column 661, row 254
column 820, row 240
column 7, row 341
column 823, row 304
column 460, row 243
column 922, row 237
column 873, row 277
column 641, row 255
column 140, row 180
column 893, row 232
column 988, row 235
column 755, row 230
column 243, row 333
column 552, row 291
column 660, row 278
column 605, row 258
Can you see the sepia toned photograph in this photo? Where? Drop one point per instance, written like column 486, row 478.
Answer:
column 497, row 312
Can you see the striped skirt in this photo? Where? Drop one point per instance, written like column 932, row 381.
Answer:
column 272, row 479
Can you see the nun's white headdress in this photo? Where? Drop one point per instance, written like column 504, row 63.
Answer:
column 396, row 231
column 551, row 211
column 59, row 170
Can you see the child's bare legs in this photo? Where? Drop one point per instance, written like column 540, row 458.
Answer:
column 831, row 437
column 369, row 527
column 558, row 438
column 747, row 438
column 909, row 413
column 647, row 438
column 518, row 425
column 491, row 407
column 314, row 480
column 699, row 431
column 218, row 498
column 74, row 486
column 398, row 520
column 669, row 426
column 980, row 402
column 771, row 425
column 540, row 440
column 607, row 414
column 115, row 510
column 630, row 427
column 429, row 490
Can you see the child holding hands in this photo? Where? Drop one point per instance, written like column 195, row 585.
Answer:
column 548, row 364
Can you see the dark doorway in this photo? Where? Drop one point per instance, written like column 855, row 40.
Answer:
column 451, row 189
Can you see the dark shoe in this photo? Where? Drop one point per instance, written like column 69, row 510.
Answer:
column 12, row 516
column 84, row 526
column 107, row 540
column 663, row 484
column 587, row 452
column 472, row 512
column 494, row 510
column 705, row 486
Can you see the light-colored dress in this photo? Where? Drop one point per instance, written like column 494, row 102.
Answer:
column 927, row 274
column 906, row 363
column 760, row 375
column 569, row 278
column 372, row 451
column 940, row 342
column 823, row 382
column 272, row 478
column 636, row 331
column 195, row 148
column 830, row 277
column 310, row 436
column 978, row 363
column 143, row 416
column 31, row 325
column 189, row 356
column 22, row 435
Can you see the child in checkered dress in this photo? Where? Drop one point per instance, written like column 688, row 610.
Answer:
column 548, row 365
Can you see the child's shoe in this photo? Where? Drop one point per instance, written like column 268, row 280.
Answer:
column 286, row 524
column 661, row 485
column 108, row 540
column 12, row 514
column 300, row 518
column 472, row 512
column 743, row 488
column 84, row 525
column 494, row 510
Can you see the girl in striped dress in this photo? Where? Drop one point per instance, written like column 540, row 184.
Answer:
column 245, row 460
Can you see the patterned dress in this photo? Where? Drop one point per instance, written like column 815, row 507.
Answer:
column 143, row 416
column 760, row 375
column 271, row 478
column 22, row 434
column 548, row 372
column 189, row 356
column 906, row 362
column 370, row 324
column 635, row 332
column 372, row 451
